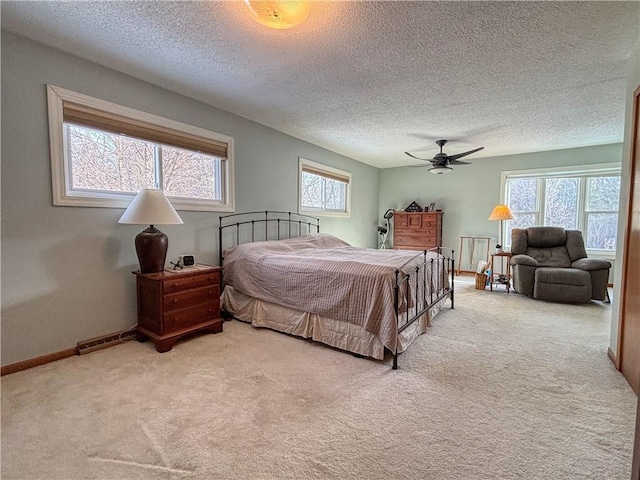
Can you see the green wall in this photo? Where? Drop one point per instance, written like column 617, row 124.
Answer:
column 66, row 273
column 468, row 194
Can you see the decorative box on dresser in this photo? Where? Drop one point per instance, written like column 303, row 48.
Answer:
column 176, row 303
column 417, row 230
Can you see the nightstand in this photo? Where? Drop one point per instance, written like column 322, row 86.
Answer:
column 501, row 279
column 176, row 303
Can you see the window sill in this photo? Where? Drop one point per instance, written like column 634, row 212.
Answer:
column 322, row 213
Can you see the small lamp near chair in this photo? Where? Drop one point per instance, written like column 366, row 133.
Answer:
column 151, row 207
column 501, row 213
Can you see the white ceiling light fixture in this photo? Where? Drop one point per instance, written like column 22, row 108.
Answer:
column 278, row 14
column 440, row 170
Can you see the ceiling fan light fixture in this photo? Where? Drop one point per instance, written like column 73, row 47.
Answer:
column 441, row 170
column 278, row 14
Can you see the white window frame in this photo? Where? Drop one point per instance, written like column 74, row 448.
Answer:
column 579, row 171
column 64, row 195
column 319, row 168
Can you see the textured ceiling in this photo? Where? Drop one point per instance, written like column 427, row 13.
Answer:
column 370, row 80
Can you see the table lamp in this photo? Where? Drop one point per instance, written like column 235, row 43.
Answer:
column 151, row 207
column 501, row 212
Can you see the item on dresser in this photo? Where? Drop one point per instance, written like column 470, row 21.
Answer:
column 417, row 231
column 173, row 304
column 413, row 207
column 187, row 260
column 317, row 286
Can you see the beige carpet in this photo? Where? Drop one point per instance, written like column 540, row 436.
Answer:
column 502, row 387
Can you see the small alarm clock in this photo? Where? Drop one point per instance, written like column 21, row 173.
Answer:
column 188, row 260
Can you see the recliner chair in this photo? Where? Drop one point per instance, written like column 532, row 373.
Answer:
column 550, row 263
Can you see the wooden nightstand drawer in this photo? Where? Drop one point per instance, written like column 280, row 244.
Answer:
column 179, row 284
column 190, row 298
column 188, row 317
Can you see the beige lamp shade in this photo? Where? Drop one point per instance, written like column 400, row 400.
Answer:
column 150, row 207
column 501, row 212
column 278, row 14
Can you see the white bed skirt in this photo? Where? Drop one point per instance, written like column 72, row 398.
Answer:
column 338, row 334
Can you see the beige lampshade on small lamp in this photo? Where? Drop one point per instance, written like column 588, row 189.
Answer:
column 501, row 213
column 151, row 207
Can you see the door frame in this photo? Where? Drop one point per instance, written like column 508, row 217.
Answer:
column 635, row 124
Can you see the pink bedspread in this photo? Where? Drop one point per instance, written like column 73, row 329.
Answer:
column 324, row 275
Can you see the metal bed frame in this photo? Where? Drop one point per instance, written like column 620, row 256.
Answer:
column 267, row 217
column 305, row 224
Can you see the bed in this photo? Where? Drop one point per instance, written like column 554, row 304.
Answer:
column 281, row 273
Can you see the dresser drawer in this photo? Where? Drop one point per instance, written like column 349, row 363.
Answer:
column 425, row 232
column 190, row 298
column 417, row 241
column 186, row 283
column 417, row 221
column 188, row 317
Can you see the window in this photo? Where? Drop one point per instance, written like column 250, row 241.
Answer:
column 102, row 154
column 324, row 190
column 575, row 198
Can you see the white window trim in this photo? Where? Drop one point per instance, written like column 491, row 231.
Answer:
column 60, row 171
column 302, row 162
column 603, row 169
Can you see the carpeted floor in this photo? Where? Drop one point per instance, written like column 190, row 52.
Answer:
column 502, row 387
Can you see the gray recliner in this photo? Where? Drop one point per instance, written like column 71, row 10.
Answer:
column 550, row 263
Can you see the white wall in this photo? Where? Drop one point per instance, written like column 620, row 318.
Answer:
column 633, row 81
column 468, row 194
column 66, row 272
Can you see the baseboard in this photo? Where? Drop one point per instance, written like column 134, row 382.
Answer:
column 613, row 357
column 36, row 362
column 105, row 341
column 465, row 272
column 86, row 346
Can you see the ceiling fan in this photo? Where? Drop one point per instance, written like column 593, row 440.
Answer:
column 441, row 161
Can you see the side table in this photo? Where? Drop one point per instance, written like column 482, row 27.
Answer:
column 175, row 303
column 502, row 278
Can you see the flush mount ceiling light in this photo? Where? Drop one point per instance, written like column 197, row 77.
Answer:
column 440, row 170
column 278, row 15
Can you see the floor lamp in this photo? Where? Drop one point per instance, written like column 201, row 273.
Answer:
column 501, row 213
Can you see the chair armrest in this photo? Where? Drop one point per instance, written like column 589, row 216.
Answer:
column 524, row 260
column 591, row 264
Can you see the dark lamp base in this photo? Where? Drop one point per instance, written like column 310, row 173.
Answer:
column 151, row 247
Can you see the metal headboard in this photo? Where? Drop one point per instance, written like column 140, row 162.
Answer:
column 296, row 225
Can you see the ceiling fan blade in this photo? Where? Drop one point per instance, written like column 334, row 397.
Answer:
column 458, row 162
column 460, row 155
column 418, row 158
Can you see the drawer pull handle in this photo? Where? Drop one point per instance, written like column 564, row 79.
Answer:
column 209, row 277
column 175, row 300
column 210, row 310
column 210, row 292
column 176, row 284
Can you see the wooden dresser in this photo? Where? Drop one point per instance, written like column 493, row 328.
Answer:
column 417, row 231
column 175, row 303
